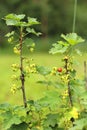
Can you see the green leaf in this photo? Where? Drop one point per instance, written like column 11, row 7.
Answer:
column 63, row 43
column 73, row 73
column 22, row 24
column 72, row 38
column 58, row 48
column 21, row 126
column 14, row 16
column 79, row 124
column 45, row 82
column 31, row 30
column 29, row 42
column 51, row 121
column 11, row 22
column 51, row 99
column 11, row 119
column 10, row 34
column 32, row 21
column 34, row 128
column 13, row 19
column 64, row 46
column 5, row 106
column 59, row 85
column 43, row 70
column 84, row 96
column 47, row 128
column 17, row 20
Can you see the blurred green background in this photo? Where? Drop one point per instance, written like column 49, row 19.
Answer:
column 56, row 17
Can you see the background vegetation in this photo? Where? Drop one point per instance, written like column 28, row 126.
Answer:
column 33, row 89
column 56, row 16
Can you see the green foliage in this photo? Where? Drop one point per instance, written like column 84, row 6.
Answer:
column 50, row 13
column 43, row 70
column 58, row 48
column 14, row 20
column 21, row 126
column 51, row 99
column 29, row 42
column 51, row 122
column 29, row 30
column 10, row 34
column 64, row 46
column 72, row 38
column 80, row 124
column 17, row 20
column 63, row 107
column 11, row 115
column 20, row 40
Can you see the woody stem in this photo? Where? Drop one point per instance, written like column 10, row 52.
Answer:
column 68, row 84
column 22, row 76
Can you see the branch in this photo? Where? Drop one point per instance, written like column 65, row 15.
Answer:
column 67, row 72
column 22, row 76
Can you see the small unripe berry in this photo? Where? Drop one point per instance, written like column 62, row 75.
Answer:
column 16, row 50
column 33, row 44
column 10, row 39
column 31, row 49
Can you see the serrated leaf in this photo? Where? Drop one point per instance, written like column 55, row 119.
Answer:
column 72, row 38
column 15, row 17
column 31, row 30
column 5, row 106
column 63, row 43
column 11, row 119
column 43, row 70
column 14, row 20
column 30, row 102
column 23, row 24
column 51, row 99
column 58, row 48
column 21, row 126
column 32, row 21
column 11, row 22
column 79, row 124
column 51, row 120
column 29, row 42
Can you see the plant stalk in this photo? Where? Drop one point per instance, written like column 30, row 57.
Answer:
column 22, row 77
column 74, row 16
column 69, row 90
column 85, row 74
